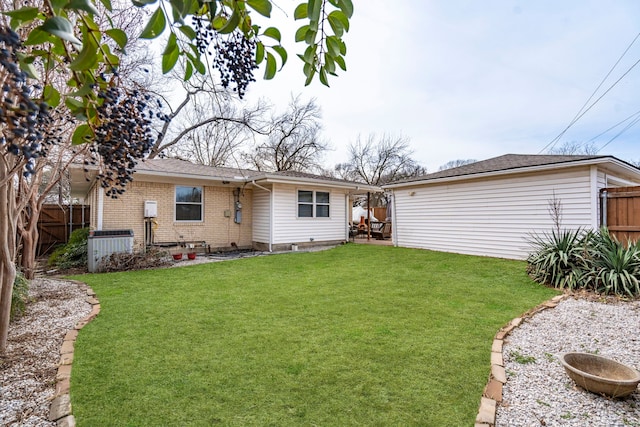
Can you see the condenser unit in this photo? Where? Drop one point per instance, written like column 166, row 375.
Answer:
column 103, row 243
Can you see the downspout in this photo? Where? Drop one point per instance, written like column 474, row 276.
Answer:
column 603, row 207
column 270, row 213
column 593, row 175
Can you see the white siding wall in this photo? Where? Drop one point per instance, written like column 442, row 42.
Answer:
column 288, row 228
column 261, row 215
column 491, row 217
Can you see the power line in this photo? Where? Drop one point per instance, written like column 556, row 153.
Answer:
column 613, row 127
column 581, row 112
column 597, row 100
column 626, row 128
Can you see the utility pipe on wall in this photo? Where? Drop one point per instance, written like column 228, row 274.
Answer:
column 603, row 208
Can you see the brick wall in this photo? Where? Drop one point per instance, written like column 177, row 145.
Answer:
column 216, row 229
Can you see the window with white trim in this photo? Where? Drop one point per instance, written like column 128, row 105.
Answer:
column 313, row 204
column 188, row 203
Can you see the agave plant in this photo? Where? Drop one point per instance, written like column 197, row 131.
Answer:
column 615, row 266
column 559, row 258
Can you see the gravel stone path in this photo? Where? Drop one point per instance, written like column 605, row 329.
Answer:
column 538, row 392
column 28, row 370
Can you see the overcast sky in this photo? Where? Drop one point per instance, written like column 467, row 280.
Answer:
column 475, row 79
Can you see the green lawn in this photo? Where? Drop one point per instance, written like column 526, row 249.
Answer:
column 353, row 336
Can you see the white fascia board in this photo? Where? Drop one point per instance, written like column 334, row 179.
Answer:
column 618, row 165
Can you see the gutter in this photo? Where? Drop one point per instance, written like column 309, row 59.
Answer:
column 270, row 212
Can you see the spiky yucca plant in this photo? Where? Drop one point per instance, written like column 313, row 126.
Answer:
column 558, row 258
column 615, row 267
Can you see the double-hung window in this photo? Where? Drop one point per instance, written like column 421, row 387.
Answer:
column 313, row 204
column 188, row 203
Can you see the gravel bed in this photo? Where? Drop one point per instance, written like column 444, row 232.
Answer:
column 538, row 391
column 28, row 370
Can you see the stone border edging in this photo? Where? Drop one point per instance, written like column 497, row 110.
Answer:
column 492, row 394
column 60, row 409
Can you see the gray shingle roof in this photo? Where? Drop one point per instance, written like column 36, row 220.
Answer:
column 183, row 167
column 294, row 174
column 176, row 166
column 502, row 163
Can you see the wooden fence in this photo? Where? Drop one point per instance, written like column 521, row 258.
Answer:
column 380, row 213
column 620, row 208
column 55, row 227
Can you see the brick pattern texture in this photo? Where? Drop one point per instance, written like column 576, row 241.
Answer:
column 217, row 229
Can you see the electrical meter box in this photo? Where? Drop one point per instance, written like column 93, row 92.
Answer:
column 150, row 209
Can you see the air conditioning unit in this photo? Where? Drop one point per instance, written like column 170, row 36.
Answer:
column 150, row 209
column 103, row 243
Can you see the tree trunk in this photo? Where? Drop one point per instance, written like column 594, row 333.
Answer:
column 7, row 277
column 28, row 230
column 8, row 223
column 29, row 245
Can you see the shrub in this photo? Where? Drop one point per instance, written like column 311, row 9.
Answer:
column 20, row 296
column 559, row 258
column 74, row 253
column 586, row 260
column 615, row 267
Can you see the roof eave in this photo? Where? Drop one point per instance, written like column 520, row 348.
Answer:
column 279, row 179
column 560, row 165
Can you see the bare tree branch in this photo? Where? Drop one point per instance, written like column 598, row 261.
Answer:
column 294, row 141
column 379, row 160
column 456, row 163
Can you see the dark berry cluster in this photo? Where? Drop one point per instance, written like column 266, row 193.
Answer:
column 125, row 135
column 23, row 121
column 233, row 54
column 204, row 33
column 235, row 60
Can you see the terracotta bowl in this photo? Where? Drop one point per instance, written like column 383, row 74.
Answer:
column 600, row 375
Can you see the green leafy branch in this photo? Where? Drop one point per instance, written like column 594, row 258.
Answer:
column 224, row 17
column 54, row 41
column 324, row 50
column 63, row 35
